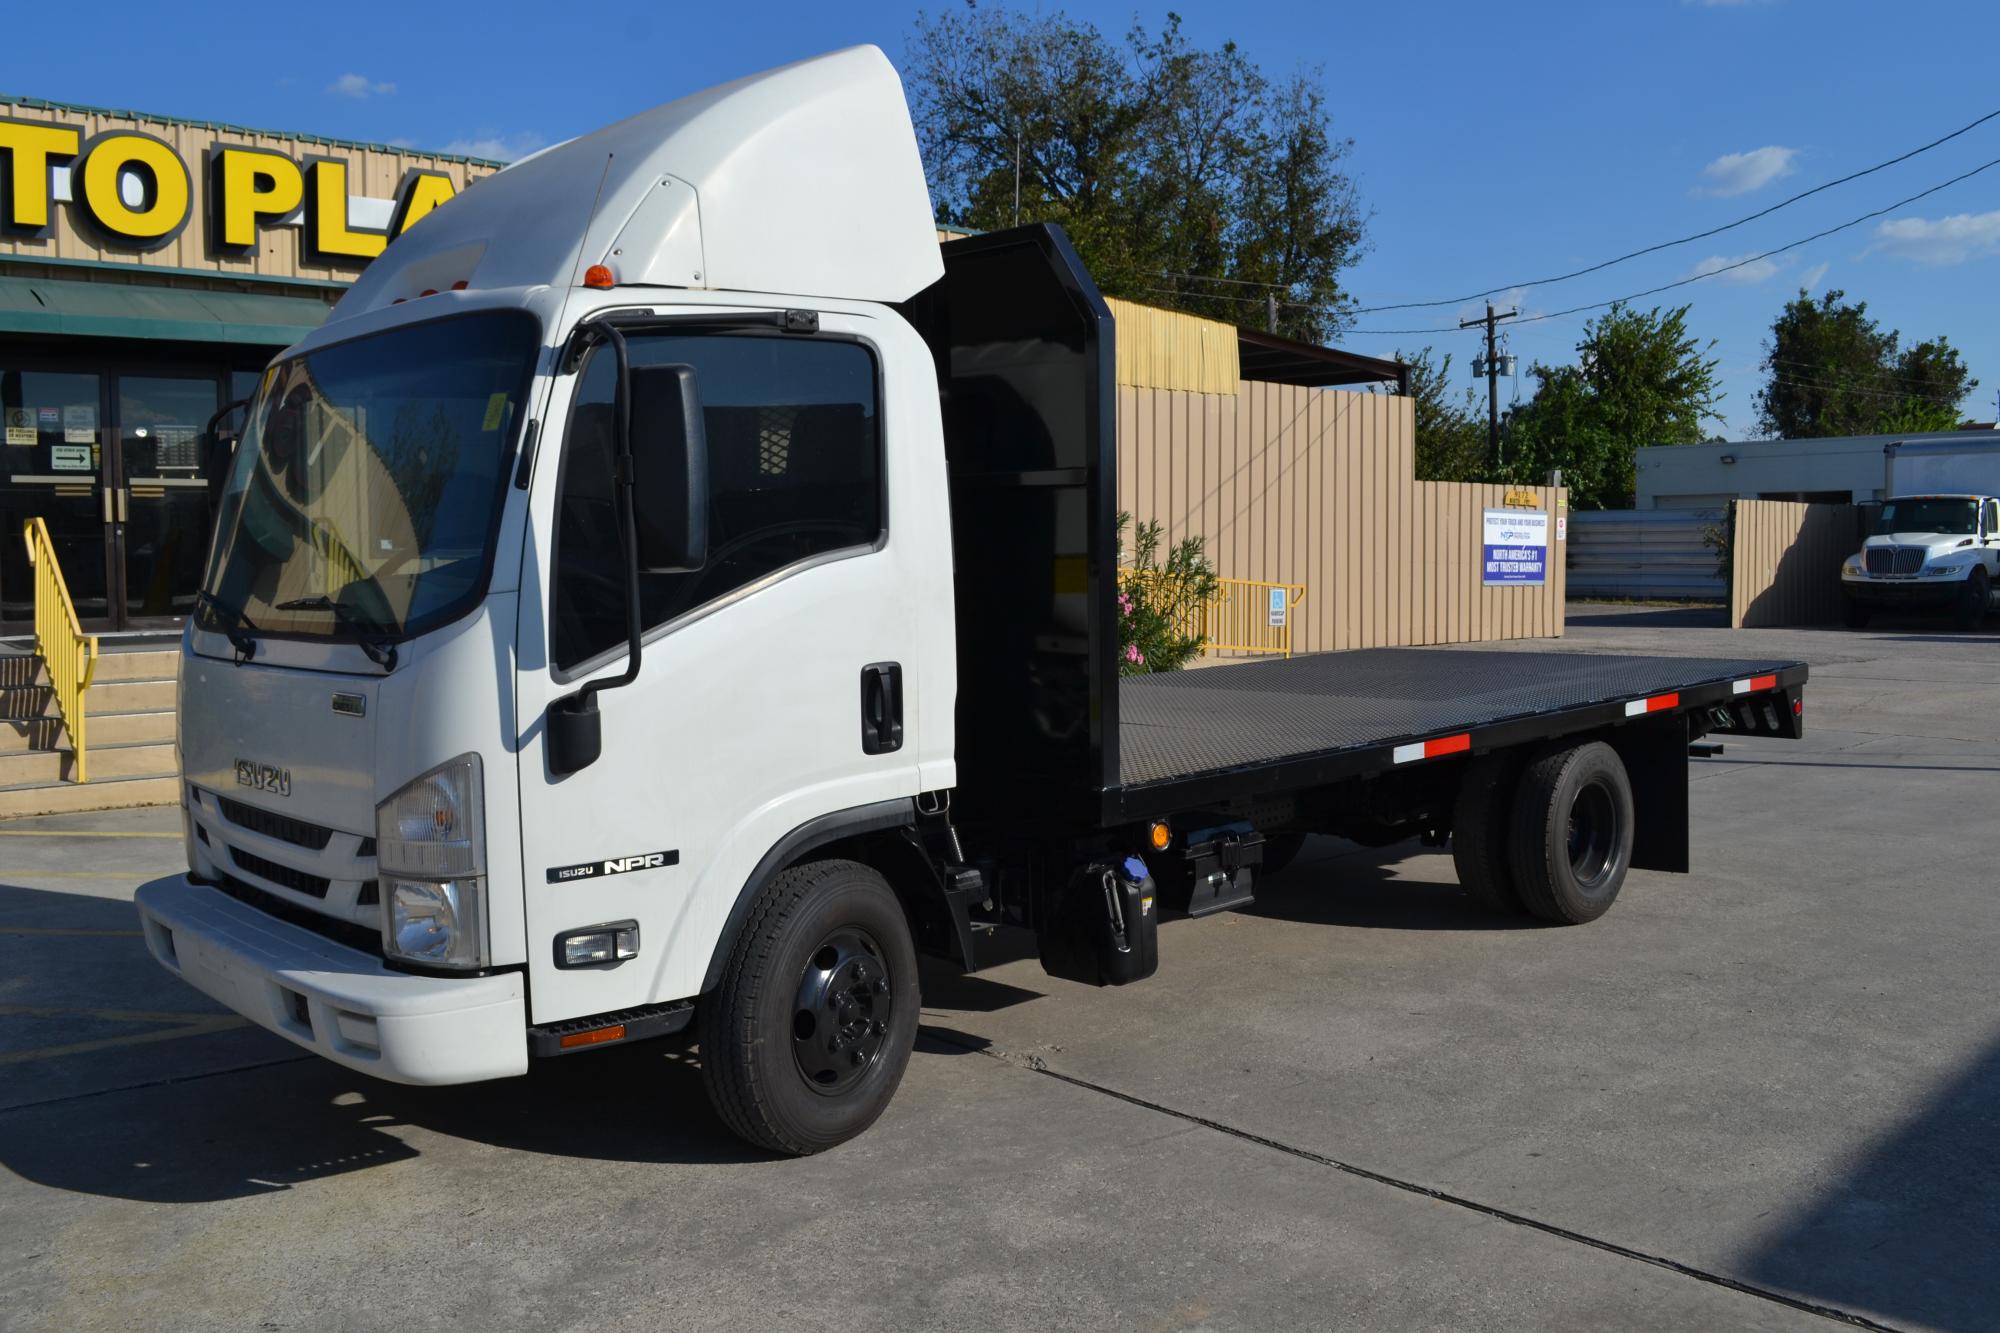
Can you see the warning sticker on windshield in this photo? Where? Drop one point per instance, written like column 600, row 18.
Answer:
column 496, row 408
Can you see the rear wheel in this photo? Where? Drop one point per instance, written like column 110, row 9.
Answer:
column 1572, row 832
column 1479, row 826
column 806, row 1038
column 1855, row 615
column 1972, row 599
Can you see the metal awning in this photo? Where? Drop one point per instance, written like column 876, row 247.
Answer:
column 124, row 310
column 1276, row 360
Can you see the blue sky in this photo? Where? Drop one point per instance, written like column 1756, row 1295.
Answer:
column 1493, row 143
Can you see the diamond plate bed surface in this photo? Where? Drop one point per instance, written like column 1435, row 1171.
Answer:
column 1185, row 723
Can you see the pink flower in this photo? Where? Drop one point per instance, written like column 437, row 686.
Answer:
column 1132, row 653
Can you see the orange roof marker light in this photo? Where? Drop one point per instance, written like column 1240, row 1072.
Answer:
column 598, row 276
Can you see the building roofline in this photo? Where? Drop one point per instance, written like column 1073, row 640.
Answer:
column 224, row 127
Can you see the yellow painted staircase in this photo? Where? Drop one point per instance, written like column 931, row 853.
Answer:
column 130, row 708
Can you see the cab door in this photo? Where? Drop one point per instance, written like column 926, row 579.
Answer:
column 769, row 675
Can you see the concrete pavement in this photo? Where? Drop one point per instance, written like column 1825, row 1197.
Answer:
column 1763, row 1095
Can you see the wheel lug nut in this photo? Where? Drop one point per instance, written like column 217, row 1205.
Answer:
column 859, row 1058
column 878, row 1027
column 833, row 1045
column 881, row 988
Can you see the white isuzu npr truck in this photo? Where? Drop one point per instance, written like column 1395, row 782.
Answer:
column 673, row 593
column 1936, row 541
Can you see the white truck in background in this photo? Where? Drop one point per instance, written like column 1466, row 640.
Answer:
column 1935, row 545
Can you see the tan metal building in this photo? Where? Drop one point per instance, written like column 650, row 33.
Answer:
column 149, row 268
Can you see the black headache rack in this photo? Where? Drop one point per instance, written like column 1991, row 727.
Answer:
column 1052, row 740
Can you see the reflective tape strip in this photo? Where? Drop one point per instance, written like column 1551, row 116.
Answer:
column 1458, row 744
column 1754, row 684
column 1658, row 703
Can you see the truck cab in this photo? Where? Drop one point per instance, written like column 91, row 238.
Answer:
column 1937, row 554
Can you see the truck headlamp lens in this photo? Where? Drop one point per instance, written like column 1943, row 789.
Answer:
column 430, row 848
column 434, row 921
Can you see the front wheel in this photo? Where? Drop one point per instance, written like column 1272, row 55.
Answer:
column 1572, row 832
column 1972, row 599
column 806, row 1037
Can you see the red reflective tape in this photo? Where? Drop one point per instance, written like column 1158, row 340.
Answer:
column 1661, row 702
column 1449, row 745
column 1763, row 682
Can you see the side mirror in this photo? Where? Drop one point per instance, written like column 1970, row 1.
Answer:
column 669, row 470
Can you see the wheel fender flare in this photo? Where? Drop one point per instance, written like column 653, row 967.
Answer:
column 832, row 827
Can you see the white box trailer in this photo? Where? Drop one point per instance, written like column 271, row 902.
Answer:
column 671, row 594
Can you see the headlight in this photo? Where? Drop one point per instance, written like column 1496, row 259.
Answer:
column 430, row 847
column 1852, row 565
column 1939, row 571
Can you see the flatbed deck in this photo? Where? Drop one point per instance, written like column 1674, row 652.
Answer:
column 1282, row 724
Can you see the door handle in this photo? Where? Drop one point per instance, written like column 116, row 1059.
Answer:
column 106, row 493
column 124, row 503
column 881, row 708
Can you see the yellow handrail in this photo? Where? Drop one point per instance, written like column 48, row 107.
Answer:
column 1243, row 616
column 68, row 654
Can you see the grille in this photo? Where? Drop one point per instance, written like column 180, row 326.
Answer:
column 273, row 825
column 342, row 932
column 1895, row 559
column 298, row 881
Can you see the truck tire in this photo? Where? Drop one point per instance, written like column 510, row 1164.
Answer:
column 1855, row 615
column 1971, row 608
column 807, row 1036
column 1479, row 834
column 1280, row 850
column 1572, row 832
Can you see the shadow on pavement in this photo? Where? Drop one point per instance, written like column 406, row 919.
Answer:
column 1650, row 617
column 1911, row 1233
column 1358, row 887
column 264, row 1131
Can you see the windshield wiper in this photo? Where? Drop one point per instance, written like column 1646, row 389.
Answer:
column 237, row 627
column 380, row 651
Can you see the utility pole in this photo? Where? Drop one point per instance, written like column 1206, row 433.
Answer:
column 1491, row 369
column 1271, row 311
column 1017, row 174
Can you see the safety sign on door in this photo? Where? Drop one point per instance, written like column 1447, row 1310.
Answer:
column 1515, row 546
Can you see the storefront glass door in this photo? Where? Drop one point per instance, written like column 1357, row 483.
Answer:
column 161, row 504
column 52, row 466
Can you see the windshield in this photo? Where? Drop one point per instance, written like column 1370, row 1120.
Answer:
column 1933, row 515
column 363, row 499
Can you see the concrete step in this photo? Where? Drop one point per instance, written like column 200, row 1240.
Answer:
column 130, row 696
column 67, row 797
column 25, row 702
column 139, row 664
column 20, row 735
column 107, row 763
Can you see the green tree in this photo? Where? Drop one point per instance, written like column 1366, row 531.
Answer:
column 1830, row 370
column 1185, row 178
column 1640, row 378
column 1451, row 432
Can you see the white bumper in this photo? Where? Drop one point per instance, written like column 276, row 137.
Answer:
column 342, row 1003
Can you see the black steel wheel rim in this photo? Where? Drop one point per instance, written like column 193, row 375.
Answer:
column 1593, row 835
column 841, row 1014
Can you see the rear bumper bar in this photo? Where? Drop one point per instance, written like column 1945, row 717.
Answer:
column 333, row 1000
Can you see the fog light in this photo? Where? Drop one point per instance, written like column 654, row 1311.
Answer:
column 598, row 946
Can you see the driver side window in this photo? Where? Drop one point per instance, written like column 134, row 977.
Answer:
column 794, row 464
column 1992, row 520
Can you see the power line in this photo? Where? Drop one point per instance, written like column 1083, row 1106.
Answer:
column 1935, row 397
column 1741, row 263
column 1684, row 240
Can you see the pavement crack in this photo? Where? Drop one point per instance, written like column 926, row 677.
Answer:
column 156, row 1083
column 1035, row 1064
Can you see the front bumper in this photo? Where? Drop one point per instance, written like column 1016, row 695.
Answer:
column 339, row 1002
column 1913, row 592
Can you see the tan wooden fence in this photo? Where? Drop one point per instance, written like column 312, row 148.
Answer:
column 1784, row 562
column 1315, row 486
